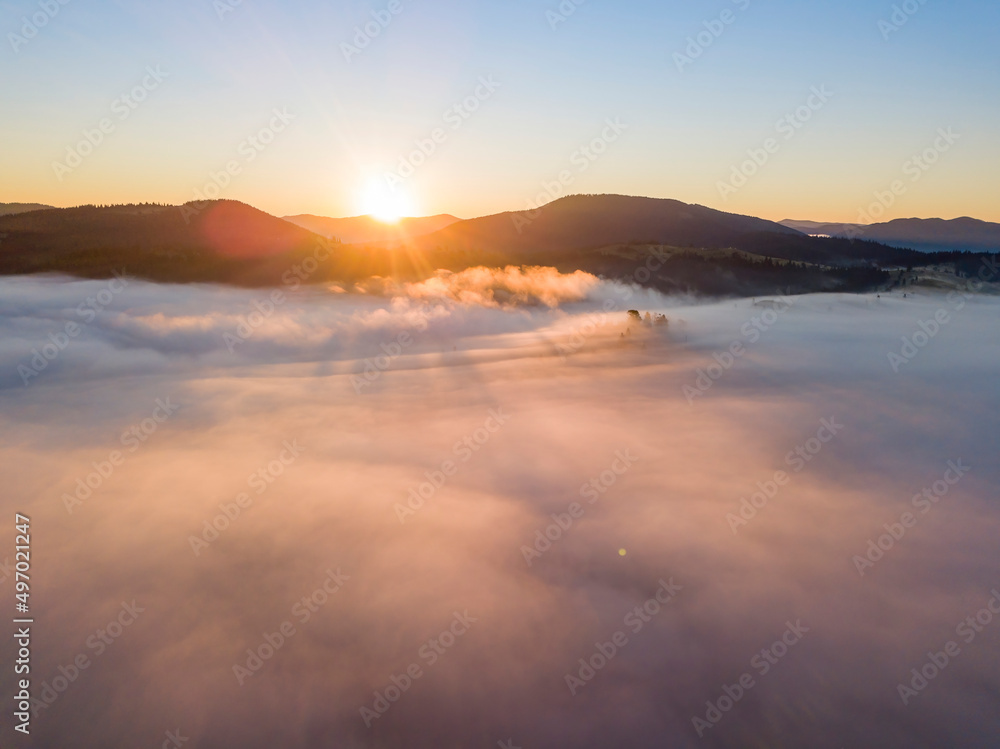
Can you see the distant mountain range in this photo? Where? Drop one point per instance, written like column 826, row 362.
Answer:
column 924, row 234
column 696, row 248
column 366, row 229
column 9, row 209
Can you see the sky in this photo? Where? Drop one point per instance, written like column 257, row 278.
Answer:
column 473, row 108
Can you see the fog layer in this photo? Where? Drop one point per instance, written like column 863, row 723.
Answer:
column 419, row 508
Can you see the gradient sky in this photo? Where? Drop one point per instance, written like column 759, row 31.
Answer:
column 355, row 120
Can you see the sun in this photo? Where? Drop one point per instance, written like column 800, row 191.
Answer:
column 384, row 203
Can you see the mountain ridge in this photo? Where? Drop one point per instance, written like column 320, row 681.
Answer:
column 221, row 240
column 362, row 229
column 601, row 220
column 685, row 247
column 925, row 234
column 11, row 209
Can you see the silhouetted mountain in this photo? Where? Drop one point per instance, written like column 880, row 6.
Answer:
column 364, row 229
column 213, row 241
column 814, row 227
column 590, row 221
column 581, row 223
column 684, row 247
column 9, row 209
column 924, row 234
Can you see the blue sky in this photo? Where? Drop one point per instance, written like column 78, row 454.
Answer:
column 358, row 121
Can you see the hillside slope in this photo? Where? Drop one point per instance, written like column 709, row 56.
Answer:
column 9, row 209
column 581, row 223
column 590, row 221
column 215, row 241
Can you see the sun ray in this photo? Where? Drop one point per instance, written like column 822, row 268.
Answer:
column 384, row 202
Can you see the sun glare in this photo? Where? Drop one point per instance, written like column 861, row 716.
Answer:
column 385, row 203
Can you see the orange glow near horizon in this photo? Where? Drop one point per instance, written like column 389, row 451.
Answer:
column 384, row 203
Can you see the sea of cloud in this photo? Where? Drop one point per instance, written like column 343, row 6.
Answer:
column 515, row 448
